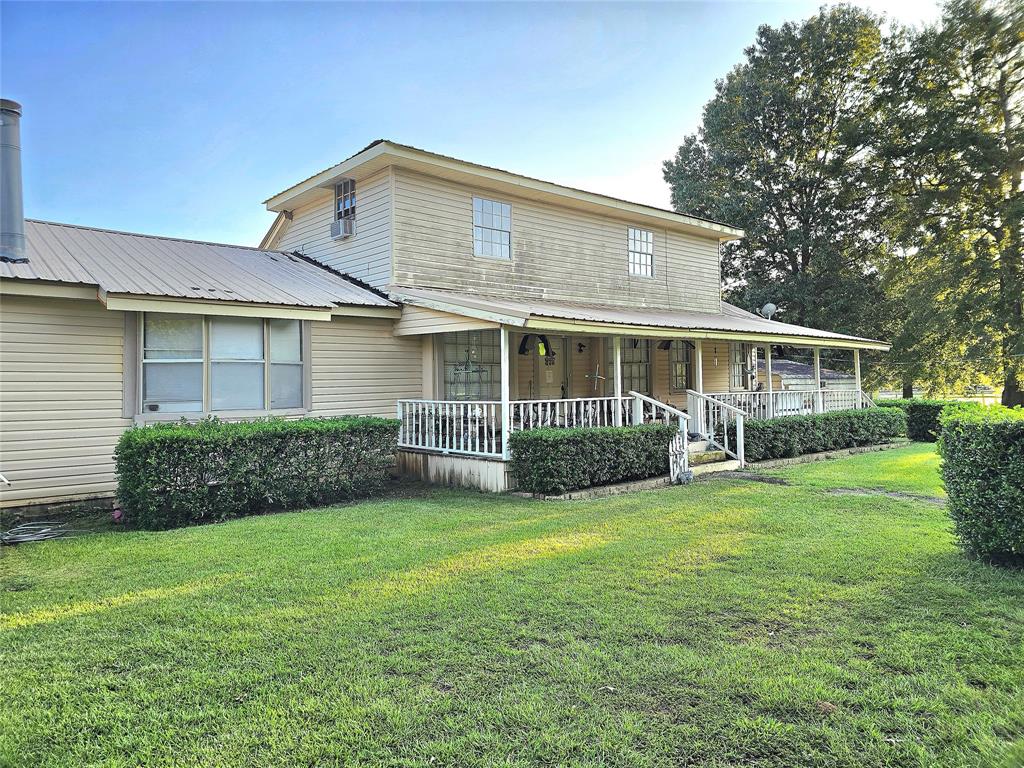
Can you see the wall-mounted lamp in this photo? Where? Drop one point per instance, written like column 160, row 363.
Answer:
column 580, row 346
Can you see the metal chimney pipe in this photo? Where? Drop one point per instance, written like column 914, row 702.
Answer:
column 12, row 211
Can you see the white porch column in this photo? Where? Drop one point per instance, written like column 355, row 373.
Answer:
column 506, row 379
column 617, row 363
column 817, row 381
column 698, row 366
column 768, row 378
column 856, row 374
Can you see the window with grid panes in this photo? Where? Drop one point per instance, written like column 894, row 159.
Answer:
column 641, row 252
column 492, row 228
column 472, row 365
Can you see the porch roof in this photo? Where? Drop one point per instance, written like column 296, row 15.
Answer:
column 732, row 323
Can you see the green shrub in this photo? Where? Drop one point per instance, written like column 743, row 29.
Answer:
column 922, row 416
column 554, row 461
column 175, row 474
column 789, row 436
column 982, row 453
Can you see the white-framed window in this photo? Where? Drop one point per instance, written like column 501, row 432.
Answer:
column 345, row 199
column 739, row 366
column 641, row 252
column 636, row 365
column 214, row 364
column 472, row 365
column 680, row 365
column 492, row 228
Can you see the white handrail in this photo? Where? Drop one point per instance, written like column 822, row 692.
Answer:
column 714, row 415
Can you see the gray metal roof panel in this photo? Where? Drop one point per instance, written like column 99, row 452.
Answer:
column 147, row 265
column 731, row 319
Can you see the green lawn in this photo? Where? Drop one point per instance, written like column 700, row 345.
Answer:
column 727, row 623
column 912, row 470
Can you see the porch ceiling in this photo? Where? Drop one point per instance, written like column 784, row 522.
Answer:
column 732, row 323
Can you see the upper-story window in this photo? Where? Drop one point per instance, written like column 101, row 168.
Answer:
column 196, row 364
column 641, row 252
column 345, row 199
column 492, row 228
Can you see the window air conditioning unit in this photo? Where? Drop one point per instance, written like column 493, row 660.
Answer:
column 342, row 228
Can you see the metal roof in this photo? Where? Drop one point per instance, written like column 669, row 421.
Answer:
column 146, row 265
column 730, row 319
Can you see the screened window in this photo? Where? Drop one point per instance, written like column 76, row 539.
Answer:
column 636, row 365
column 739, row 366
column 194, row 364
column 641, row 252
column 680, row 366
column 172, row 363
column 345, row 199
column 492, row 228
column 472, row 365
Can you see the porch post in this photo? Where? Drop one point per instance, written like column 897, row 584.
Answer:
column 817, row 380
column 617, row 362
column 856, row 374
column 506, row 378
column 698, row 366
column 768, row 379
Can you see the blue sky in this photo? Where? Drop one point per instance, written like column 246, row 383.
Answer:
column 180, row 118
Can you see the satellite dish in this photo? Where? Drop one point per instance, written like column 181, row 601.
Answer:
column 768, row 310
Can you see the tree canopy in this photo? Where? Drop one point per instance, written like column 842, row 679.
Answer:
column 877, row 176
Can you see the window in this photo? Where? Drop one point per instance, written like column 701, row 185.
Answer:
column 636, row 365
column 194, row 364
column 285, row 363
column 492, row 229
column 345, row 199
column 172, row 363
column 739, row 366
column 472, row 365
column 641, row 252
column 679, row 361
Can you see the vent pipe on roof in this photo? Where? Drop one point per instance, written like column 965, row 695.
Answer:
column 12, row 212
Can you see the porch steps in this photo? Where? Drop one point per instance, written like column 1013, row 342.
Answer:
column 706, row 457
column 711, row 467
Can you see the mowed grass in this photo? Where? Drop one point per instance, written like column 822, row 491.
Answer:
column 725, row 623
column 913, row 469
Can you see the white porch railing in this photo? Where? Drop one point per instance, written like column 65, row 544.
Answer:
column 472, row 428
column 793, row 402
column 576, row 412
column 718, row 422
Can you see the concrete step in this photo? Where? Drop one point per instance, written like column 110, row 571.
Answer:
column 706, row 457
column 714, row 466
column 696, row 446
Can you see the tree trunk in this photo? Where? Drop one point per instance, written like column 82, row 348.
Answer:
column 1012, row 392
column 908, row 390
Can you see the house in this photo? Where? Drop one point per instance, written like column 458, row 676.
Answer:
column 793, row 374
column 469, row 301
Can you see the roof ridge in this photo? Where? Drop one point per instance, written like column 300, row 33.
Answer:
column 155, row 237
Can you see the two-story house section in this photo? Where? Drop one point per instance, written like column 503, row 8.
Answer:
column 539, row 304
column 469, row 301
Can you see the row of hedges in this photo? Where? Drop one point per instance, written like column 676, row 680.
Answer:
column 788, row 436
column 922, row 416
column 982, row 453
column 176, row 474
column 554, row 461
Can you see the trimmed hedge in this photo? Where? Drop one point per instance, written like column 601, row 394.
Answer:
column 982, row 453
column 922, row 416
column 554, row 461
column 176, row 474
column 788, row 436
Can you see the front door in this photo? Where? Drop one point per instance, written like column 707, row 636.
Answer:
column 551, row 372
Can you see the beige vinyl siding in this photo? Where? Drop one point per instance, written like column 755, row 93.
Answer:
column 420, row 320
column 557, row 253
column 716, row 374
column 360, row 367
column 367, row 254
column 61, row 368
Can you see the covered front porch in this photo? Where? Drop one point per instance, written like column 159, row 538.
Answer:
column 486, row 378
